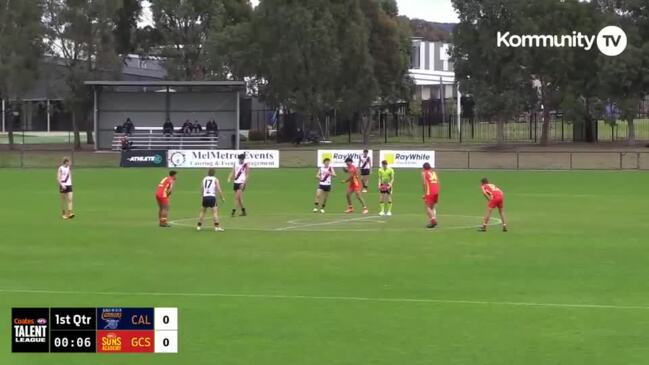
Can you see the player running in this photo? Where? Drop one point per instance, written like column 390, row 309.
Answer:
column 496, row 199
column 365, row 164
column 354, row 186
column 386, row 182
column 431, row 193
column 165, row 188
column 239, row 175
column 210, row 187
column 64, row 180
column 325, row 173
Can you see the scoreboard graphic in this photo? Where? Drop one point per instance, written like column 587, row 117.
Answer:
column 101, row 330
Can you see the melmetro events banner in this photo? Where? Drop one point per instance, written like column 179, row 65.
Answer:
column 407, row 159
column 338, row 157
column 221, row 158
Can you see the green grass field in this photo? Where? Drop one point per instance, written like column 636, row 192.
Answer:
column 566, row 285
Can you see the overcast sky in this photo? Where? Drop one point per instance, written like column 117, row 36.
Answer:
column 433, row 10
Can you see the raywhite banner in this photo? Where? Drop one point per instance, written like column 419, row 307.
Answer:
column 338, row 157
column 407, row 159
column 221, row 158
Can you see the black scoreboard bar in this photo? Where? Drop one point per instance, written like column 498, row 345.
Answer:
column 92, row 330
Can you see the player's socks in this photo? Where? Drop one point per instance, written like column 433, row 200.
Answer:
column 234, row 211
column 243, row 212
column 389, row 206
column 382, row 205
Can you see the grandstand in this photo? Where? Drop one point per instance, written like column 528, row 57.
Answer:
column 149, row 104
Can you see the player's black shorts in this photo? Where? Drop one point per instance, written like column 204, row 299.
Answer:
column 209, row 201
column 326, row 188
column 68, row 189
column 237, row 186
column 365, row 172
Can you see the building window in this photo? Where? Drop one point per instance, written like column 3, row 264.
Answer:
column 415, row 57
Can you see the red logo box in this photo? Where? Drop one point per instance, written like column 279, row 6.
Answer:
column 127, row 341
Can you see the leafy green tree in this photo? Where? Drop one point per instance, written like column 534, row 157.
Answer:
column 493, row 76
column 625, row 78
column 187, row 27
column 81, row 32
column 298, row 63
column 21, row 43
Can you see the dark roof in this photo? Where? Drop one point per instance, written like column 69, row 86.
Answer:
column 240, row 84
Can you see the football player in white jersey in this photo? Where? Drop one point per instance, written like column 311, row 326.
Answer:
column 209, row 189
column 324, row 176
column 239, row 175
column 64, row 180
column 365, row 165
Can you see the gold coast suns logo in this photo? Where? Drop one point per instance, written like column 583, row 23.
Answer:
column 111, row 342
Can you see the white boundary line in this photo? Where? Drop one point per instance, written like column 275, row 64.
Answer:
column 301, row 225
column 330, row 298
column 298, row 227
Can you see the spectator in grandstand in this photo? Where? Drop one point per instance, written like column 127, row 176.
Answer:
column 126, row 143
column 187, row 127
column 168, row 128
column 128, row 126
column 211, row 128
column 198, row 128
column 119, row 129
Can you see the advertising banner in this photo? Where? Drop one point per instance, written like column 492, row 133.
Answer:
column 407, row 159
column 144, row 158
column 338, row 156
column 221, row 158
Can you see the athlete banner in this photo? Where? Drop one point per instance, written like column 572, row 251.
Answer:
column 407, row 159
column 144, row 158
column 338, row 157
column 221, row 158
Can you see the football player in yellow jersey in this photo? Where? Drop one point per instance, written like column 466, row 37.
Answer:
column 386, row 181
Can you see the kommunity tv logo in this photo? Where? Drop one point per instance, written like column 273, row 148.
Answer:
column 611, row 40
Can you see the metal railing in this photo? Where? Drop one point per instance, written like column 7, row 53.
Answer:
column 154, row 138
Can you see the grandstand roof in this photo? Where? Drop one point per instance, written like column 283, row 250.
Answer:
column 227, row 84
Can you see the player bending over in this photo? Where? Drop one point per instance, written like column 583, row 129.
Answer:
column 365, row 164
column 64, row 180
column 324, row 176
column 354, row 186
column 239, row 175
column 431, row 193
column 495, row 199
column 211, row 186
column 386, row 181
column 162, row 194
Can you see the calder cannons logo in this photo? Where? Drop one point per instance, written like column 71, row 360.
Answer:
column 111, row 317
column 611, row 40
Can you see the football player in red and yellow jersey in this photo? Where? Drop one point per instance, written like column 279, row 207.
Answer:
column 162, row 194
column 496, row 199
column 354, row 186
column 431, row 193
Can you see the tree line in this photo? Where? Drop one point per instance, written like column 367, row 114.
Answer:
column 585, row 85
column 309, row 56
